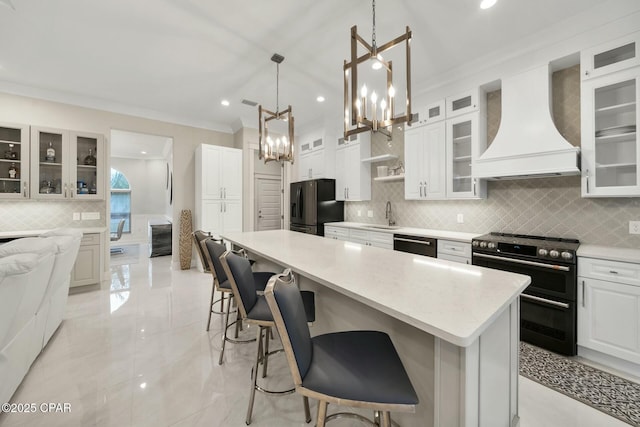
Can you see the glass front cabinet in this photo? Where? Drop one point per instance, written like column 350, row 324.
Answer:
column 66, row 165
column 610, row 144
column 14, row 161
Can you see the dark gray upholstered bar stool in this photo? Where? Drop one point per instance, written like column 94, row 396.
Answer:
column 356, row 368
column 215, row 249
column 199, row 237
column 254, row 310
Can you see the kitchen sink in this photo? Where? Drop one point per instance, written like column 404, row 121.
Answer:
column 383, row 227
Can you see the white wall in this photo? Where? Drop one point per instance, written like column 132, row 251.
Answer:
column 147, row 179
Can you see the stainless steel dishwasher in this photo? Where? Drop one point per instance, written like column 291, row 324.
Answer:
column 418, row 245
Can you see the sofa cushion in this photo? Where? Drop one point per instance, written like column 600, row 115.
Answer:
column 17, row 264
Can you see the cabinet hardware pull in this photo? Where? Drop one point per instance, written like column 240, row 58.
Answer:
column 522, row 261
column 71, row 187
column 583, row 293
column 420, row 242
column 220, row 207
column 474, row 186
column 544, row 300
column 25, row 189
column 420, row 188
column 65, row 191
column 587, row 181
column 613, row 272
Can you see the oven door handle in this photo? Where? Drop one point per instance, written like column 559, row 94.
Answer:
column 545, row 301
column 420, row 242
column 522, row 261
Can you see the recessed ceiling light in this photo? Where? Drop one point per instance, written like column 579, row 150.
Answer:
column 143, row 152
column 320, row 98
column 486, row 4
column 224, row 102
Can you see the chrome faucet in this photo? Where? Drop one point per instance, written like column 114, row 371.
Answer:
column 388, row 214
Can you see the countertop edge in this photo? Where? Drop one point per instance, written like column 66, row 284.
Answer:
column 610, row 253
column 457, row 236
column 31, row 233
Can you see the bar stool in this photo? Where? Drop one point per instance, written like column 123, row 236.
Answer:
column 254, row 310
column 213, row 251
column 199, row 237
column 355, row 368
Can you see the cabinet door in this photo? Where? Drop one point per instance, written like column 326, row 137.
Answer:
column 49, row 163
column 231, row 173
column 413, row 184
column 462, row 103
column 609, row 318
column 86, row 171
column 86, row 270
column 358, row 174
column 211, row 220
column 304, row 166
column 463, row 144
column 317, row 163
column 341, row 174
column 610, row 143
column 231, row 215
column 434, row 161
column 14, row 161
column 211, row 185
column 610, row 57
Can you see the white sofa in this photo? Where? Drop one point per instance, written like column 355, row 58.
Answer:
column 34, row 284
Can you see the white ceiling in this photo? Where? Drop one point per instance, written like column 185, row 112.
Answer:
column 176, row 60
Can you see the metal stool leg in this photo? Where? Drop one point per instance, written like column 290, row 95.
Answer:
column 322, row 413
column 213, row 290
column 307, row 411
column 224, row 333
column 386, row 419
column 254, row 376
column 265, row 360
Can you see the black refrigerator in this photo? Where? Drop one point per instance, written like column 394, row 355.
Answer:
column 313, row 203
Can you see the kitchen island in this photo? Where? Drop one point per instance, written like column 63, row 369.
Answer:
column 456, row 327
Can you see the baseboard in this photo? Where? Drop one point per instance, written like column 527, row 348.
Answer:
column 609, row 363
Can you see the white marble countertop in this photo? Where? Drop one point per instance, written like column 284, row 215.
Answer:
column 452, row 301
column 438, row 234
column 31, row 233
column 610, row 253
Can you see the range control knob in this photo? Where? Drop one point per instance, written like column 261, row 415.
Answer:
column 566, row 255
column 491, row 245
column 474, row 243
column 554, row 254
column 483, row 244
column 543, row 252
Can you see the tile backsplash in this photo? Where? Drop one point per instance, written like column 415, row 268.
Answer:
column 542, row 206
column 37, row 215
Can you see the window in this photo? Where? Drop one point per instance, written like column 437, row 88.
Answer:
column 120, row 201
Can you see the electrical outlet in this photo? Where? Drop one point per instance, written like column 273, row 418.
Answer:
column 460, row 218
column 76, row 216
column 370, row 214
column 359, row 212
column 634, row 227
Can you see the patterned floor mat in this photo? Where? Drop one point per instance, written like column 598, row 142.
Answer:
column 608, row 393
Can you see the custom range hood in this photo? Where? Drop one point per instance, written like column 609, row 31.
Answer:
column 527, row 144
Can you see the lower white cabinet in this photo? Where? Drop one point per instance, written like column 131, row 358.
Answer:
column 336, row 233
column 609, row 307
column 86, row 270
column 221, row 215
column 454, row 251
column 357, row 235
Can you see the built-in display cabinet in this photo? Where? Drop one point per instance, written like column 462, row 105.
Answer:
column 316, row 157
column 14, row 161
column 610, row 144
column 463, row 103
column 609, row 308
column 66, row 165
column 466, row 139
column 218, row 179
column 611, row 56
column 353, row 176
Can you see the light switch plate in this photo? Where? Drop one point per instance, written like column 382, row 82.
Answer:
column 460, row 218
column 90, row 215
column 76, row 216
column 634, row 227
column 359, row 212
column 370, row 214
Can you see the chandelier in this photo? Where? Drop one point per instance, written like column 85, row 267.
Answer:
column 278, row 146
column 362, row 112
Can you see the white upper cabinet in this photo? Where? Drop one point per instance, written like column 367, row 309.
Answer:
column 462, row 103
column 611, row 57
column 14, row 161
column 316, row 156
column 465, row 141
column 353, row 177
column 425, row 162
column 66, row 165
column 432, row 113
column 610, row 144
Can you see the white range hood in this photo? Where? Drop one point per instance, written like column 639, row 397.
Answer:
column 527, row 144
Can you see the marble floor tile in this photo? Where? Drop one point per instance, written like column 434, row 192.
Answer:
column 136, row 353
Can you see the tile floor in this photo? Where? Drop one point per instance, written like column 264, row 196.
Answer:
column 136, row 353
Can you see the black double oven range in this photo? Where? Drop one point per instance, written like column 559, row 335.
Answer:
column 548, row 309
